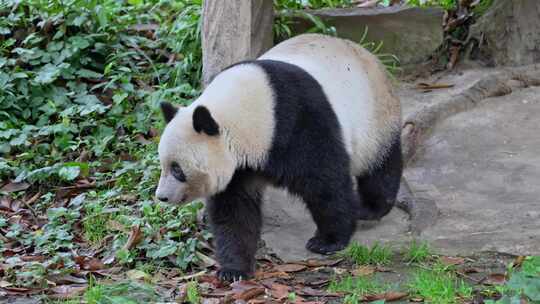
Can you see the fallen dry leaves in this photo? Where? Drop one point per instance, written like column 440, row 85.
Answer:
column 363, row 270
column 290, row 267
column 274, row 274
column 14, row 187
column 387, row 296
column 65, row 292
column 451, row 261
column 279, row 291
column 495, row 279
column 518, row 261
column 135, row 237
column 427, row 87
column 89, row 263
column 320, row 263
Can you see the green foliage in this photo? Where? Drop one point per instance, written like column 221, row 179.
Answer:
column 355, row 288
column 84, row 78
column 80, row 84
column 439, row 286
column 417, row 252
column 522, row 284
column 123, row 292
column 446, row 4
column 96, row 221
column 192, row 293
column 286, row 11
column 378, row 254
column 311, row 4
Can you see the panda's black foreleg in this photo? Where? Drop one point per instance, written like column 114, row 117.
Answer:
column 235, row 220
column 334, row 214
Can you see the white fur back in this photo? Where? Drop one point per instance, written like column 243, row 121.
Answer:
column 357, row 88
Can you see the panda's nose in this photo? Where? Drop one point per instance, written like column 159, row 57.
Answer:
column 163, row 199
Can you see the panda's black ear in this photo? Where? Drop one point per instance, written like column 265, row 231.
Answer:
column 203, row 121
column 168, row 110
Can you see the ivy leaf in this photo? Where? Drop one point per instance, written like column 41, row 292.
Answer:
column 79, row 42
column 4, row 30
column 83, row 167
column 164, row 250
column 119, row 97
column 87, row 99
column 8, row 133
column 69, row 173
column 79, row 20
column 47, row 74
column 19, row 140
column 88, row 74
column 55, row 46
column 19, row 75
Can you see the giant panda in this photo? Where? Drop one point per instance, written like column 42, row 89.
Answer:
column 315, row 115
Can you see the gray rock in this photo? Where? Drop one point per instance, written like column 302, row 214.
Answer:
column 509, row 32
column 233, row 31
column 412, row 34
column 482, row 167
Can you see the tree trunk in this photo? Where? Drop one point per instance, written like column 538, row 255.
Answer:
column 509, row 33
column 233, row 31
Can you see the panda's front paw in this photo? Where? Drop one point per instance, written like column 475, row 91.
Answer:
column 230, row 275
column 318, row 245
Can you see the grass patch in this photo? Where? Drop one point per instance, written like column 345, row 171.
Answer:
column 192, row 293
column 356, row 286
column 95, row 223
column 359, row 254
column 417, row 252
column 439, row 286
column 125, row 292
column 71, row 301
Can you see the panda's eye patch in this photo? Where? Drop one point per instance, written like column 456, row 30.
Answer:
column 177, row 172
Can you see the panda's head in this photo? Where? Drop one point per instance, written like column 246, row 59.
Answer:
column 195, row 159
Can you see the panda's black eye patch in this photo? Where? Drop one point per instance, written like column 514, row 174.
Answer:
column 177, row 172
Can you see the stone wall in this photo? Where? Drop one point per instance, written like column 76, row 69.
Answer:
column 412, row 34
column 509, row 33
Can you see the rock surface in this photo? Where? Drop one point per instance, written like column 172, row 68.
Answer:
column 482, row 167
column 510, row 32
column 475, row 176
column 412, row 34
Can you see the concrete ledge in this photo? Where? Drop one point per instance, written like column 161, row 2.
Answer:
column 412, row 34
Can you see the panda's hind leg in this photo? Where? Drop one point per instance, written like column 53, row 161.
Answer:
column 235, row 220
column 378, row 188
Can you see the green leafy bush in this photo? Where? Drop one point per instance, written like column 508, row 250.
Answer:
column 80, row 83
column 523, row 284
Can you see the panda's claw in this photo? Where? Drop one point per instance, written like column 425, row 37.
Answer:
column 318, row 245
column 230, row 275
